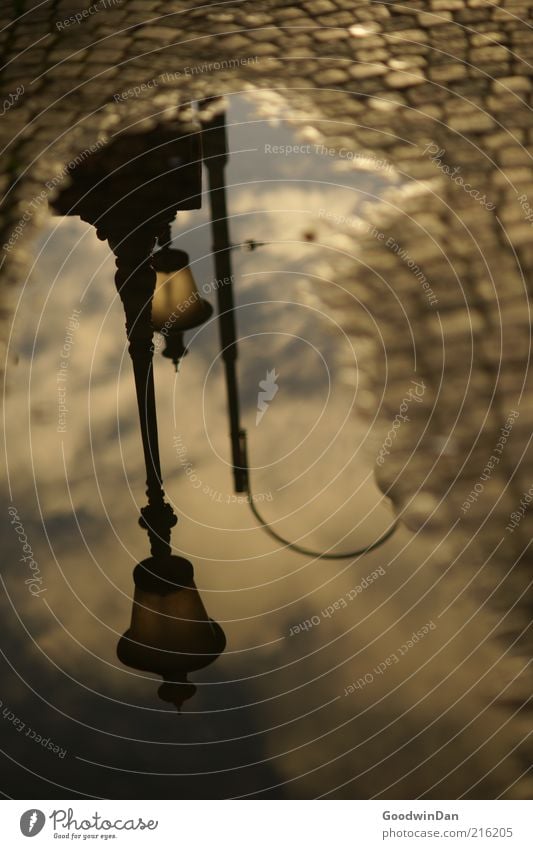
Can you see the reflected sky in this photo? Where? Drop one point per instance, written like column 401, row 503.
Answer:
column 272, row 716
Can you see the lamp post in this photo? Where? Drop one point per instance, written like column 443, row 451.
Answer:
column 216, row 157
column 131, row 201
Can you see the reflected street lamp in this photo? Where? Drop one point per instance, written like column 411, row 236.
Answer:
column 170, row 632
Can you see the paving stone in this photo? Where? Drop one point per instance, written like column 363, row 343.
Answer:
column 319, row 7
column 446, row 5
column 419, row 36
column 407, row 62
column 333, row 77
column 330, row 34
column 519, row 84
column 494, row 53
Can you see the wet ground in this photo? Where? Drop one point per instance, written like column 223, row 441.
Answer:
column 382, row 153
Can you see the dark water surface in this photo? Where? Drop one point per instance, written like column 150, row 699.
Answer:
column 371, row 676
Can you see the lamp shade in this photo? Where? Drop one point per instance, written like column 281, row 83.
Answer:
column 170, row 632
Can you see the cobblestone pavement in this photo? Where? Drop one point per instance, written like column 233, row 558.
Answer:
column 437, row 271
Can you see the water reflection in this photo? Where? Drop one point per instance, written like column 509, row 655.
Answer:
column 271, row 717
column 130, row 192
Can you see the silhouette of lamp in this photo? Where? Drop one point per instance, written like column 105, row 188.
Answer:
column 176, row 303
column 130, row 199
